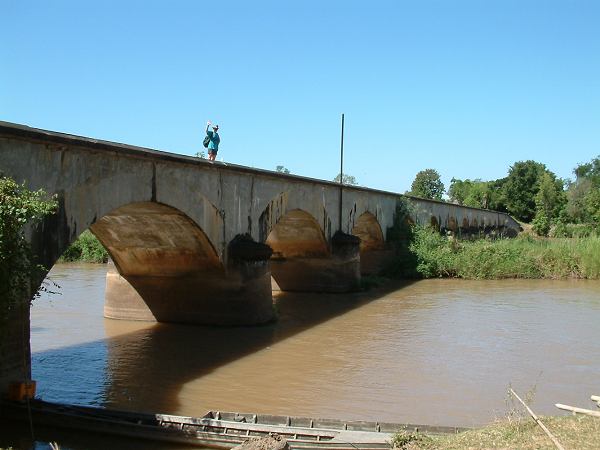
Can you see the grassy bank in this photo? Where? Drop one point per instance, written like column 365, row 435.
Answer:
column 434, row 256
column 573, row 432
column 85, row 249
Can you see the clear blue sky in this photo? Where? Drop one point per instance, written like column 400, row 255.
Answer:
column 465, row 87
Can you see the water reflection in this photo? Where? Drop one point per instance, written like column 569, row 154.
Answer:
column 436, row 351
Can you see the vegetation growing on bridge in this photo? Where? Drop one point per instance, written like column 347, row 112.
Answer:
column 19, row 207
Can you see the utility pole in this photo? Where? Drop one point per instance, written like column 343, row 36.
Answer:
column 341, row 172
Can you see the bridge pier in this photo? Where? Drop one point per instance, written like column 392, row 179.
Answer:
column 339, row 272
column 15, row 353
column 240, row 295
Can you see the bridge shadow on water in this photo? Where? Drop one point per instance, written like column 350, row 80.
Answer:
column 146, row 369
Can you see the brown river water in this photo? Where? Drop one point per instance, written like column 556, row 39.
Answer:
column 440, row 352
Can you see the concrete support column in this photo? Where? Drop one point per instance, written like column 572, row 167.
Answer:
column 15, row 352
column 373, row 262
column 240, row 295
column 338, row 273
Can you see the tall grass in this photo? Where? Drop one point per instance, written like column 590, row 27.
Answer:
column 574, row 432
column 521, row 257
column 87, row 248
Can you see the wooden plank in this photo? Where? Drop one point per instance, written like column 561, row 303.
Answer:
column 574, row 409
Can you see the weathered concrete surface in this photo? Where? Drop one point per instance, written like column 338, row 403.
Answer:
column 169, row 221
column 15, row 353
column 167, row 216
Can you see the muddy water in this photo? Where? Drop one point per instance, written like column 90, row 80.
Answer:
column 433, row 351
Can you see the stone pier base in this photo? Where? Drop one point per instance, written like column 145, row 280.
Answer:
column 338, row 273
column 373, row 262
column 240, row 295
column 15, row 353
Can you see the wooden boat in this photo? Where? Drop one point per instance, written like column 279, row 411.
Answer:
column 215, row 429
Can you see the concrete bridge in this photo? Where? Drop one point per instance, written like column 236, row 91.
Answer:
column 198, row 242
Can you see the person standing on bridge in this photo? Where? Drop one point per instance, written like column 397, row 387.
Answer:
column 214, row 140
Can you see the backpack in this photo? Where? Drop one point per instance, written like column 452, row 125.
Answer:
column 206, row 141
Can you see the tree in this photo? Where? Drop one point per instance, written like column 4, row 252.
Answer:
column 583, row 195
column 521, row 187
column 474, row 193
column 550, row 198
column 18, row 207
column 281, row 169
column 348, row 180
column 427, row 184
column 496, row 197
column 459, row 190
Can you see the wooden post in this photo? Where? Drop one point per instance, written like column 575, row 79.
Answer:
column 538, row 421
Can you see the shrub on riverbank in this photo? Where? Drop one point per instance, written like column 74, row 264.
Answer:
column 522, row 257
column 581, row 432
column 18, row 270
column 87, row 248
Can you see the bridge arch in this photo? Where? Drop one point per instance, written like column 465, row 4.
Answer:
column 367, row 228
column 303, row 260
column 297, row 234
column 153, row 239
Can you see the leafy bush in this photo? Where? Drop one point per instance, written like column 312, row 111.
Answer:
column 541, row 224
column 434, row 255
column 18, row 206
column 87, row 248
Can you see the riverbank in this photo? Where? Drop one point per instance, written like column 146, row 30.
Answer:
column 580, row 432
column 431, row 255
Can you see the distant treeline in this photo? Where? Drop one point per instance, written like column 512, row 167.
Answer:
column 86, row 248
column 530, row 193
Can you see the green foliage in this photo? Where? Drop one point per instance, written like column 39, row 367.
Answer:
column 282, row 169
column 521, row 187
column 347, row 179
column 573, row 432
column 494, row 259
column 434, row 255
column 427, row 184
column 583, row 204
column 589, row 170
column 404, row 439
column 550, row 198
column 87, row 248
column 477, row 193
column 496, row 196
column 459, row 190
column 18, row 207
column 541, row 224
column 400, row 236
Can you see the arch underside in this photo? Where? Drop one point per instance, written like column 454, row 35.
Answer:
column 165, row 269
column 368, row 230
column 302, row 259
column 151, row 239
column 373, row 252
